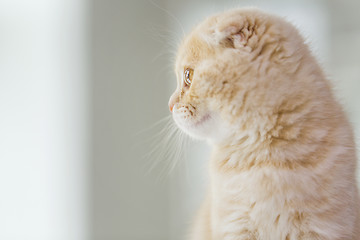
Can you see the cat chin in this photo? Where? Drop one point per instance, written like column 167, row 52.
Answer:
column 209, row 127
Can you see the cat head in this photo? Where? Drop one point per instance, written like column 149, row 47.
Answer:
column 231, row 70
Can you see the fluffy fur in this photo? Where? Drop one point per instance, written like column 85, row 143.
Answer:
column 284, row 162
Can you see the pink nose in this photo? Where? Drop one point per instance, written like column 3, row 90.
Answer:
column 171, row 106
column 173, row 99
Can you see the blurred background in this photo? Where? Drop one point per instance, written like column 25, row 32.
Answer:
column 81, row 84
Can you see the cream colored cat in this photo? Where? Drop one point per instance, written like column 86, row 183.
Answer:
column 283, row 164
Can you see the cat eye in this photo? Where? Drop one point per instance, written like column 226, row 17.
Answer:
column 188, row 73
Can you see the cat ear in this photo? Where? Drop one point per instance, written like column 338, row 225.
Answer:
column 232, row 32
column 232, row 36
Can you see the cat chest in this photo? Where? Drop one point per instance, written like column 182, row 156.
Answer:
column 249, row 204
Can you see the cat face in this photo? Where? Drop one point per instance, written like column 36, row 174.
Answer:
column 192, row 104
column 225, row 72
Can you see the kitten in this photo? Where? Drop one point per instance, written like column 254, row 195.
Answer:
column 283, row 164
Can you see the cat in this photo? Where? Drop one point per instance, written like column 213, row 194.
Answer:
column 283, row 163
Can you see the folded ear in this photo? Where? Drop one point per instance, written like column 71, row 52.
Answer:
column 230, row 31
column 232, row 37
column 235, row 31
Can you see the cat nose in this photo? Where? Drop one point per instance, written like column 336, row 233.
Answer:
column 171, row 105
column 173, row 99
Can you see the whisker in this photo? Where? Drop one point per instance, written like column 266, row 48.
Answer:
column 166, row 149
column 170, row 15
column 161, row 148
column 154, row 125
column 177, row 153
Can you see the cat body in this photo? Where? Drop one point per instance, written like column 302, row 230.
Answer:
column 283, row 164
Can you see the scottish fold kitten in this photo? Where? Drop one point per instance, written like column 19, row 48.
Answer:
column 283, row 163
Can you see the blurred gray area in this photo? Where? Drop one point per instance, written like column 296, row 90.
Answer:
column 129, row 94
